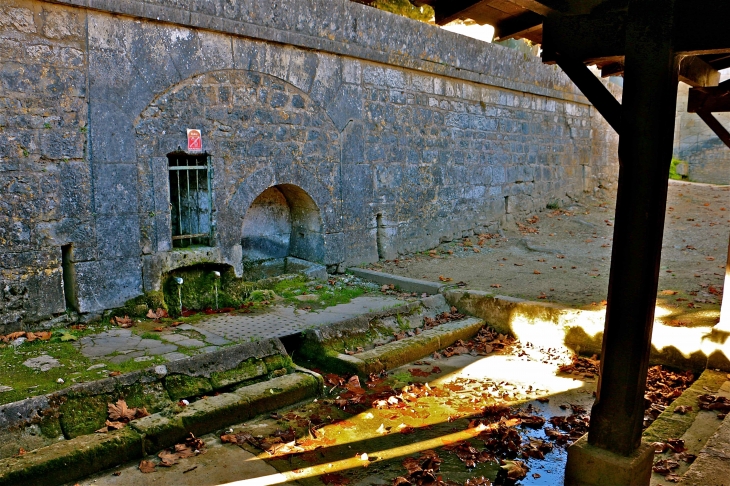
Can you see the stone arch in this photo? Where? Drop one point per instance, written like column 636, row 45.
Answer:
column 282, row 221
column 261, row 131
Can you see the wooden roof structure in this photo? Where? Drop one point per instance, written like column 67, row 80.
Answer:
column 653, row 44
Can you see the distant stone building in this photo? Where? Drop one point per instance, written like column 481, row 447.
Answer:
column 331, row 131
column 708, row 159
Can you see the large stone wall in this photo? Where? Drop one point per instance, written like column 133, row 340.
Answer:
column 383, row 134
column 708, row 159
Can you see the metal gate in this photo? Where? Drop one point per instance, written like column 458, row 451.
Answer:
column 191, row 199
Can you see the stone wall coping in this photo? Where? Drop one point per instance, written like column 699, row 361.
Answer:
column 346, row 28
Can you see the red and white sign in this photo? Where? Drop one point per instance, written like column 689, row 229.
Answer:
column 195, row 140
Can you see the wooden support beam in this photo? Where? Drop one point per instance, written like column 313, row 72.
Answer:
column 584, row 37
column 514, row 26
column 701, row 29
column 451, row 10
column 645, row 150
column 593, row 89
column 544, row 7
column 613, row 69
column 697, row 73
column 711, row 100
column 715, row 126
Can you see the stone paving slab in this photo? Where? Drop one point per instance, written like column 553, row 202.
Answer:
column 285, row 321
column 119, row 345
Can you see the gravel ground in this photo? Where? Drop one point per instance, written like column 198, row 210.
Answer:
column 563, row 255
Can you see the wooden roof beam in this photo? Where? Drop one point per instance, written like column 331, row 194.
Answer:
column 544, row 7
column 452, row 10
column 700, row 29
column 697, row 73
column 612, row 69
column 711, row 100
column 515, row 26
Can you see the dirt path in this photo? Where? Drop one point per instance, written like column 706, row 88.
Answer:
column 563, row 255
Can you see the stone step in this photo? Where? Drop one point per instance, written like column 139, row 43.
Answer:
column 697, row 428
column 69, row 460
column 330, row 345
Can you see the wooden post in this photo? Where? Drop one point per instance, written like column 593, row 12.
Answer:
column 645, row 152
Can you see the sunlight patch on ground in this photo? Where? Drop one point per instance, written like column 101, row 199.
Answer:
column 362, row 460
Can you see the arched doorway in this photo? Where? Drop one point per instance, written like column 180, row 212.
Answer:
column 283, row 221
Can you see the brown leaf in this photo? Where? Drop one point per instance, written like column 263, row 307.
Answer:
column 495, row 286
column 668, row 292
column 43, row 335
column 157, row 314
column 120, row 411
column 123, row 322
column 114, row 425
column 167, row 458
column 147, row 466
column 536, row 272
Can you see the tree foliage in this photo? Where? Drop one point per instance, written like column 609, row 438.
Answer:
column 405, row 8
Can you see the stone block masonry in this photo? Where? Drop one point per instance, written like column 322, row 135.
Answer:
column 382, row 135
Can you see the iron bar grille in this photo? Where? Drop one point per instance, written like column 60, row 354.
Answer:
column 191, row 199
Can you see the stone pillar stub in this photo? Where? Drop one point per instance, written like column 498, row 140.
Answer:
column 592, row 466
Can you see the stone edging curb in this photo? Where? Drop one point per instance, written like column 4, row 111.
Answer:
column 403, row 283
column 398, row 353
column 75, row 458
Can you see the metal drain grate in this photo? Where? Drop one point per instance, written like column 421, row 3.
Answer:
column 244, row 328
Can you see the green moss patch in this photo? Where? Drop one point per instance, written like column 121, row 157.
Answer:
column 247, row 370
column 139, row 306
column 69, row 460
column 83, row 414
column 182, row 386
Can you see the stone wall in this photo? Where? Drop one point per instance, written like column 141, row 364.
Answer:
column 385, row 135
column 45, row 177
column 708, row 159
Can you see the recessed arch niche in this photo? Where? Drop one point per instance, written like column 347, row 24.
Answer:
column 283, row 221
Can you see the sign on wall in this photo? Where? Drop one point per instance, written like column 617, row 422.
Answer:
column 195, row 140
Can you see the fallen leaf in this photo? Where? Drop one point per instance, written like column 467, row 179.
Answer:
column 496, row 286
column 120, row 411
column 445, row 279
column 68, row 337
column 123, row 322
column 536, row 272
column 147, row 466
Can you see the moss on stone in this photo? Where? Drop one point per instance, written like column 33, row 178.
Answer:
column 139, row 306
column 69, row 460
column 183, row 386
column 199, row 288
column 159, row 431
column 247, row 370
column 51, row 427
column 83, row 414
column 277, row 362
column 261, row 295
column 217, row 412
column 671, row 425
column 152, row 396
